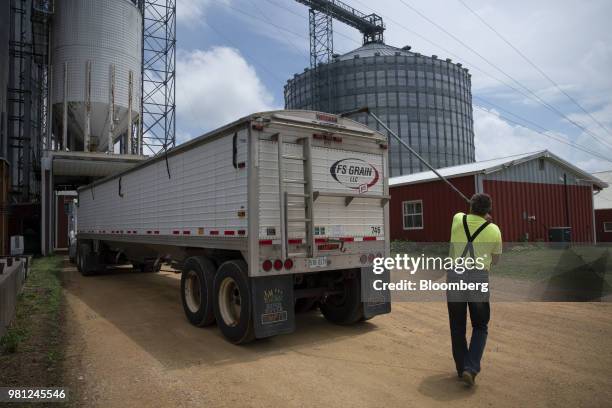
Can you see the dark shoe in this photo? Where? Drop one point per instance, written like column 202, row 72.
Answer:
column 469, row 378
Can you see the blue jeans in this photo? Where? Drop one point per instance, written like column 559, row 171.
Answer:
column 468, row 358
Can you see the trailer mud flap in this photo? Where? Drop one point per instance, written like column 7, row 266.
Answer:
column 375, row 302
column 273, row 305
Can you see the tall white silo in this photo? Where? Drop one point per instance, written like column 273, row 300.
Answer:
column 97, row 59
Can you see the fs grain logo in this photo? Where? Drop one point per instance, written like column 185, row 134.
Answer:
column 355, row 174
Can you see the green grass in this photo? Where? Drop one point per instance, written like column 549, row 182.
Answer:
column 530, row 261
column 39, row 302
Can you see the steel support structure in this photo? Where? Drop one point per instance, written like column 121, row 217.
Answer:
column 321, row 50
column 370, row 25
column 321, row 15
column 158, row 123
column 19, row 101
column 27, row 94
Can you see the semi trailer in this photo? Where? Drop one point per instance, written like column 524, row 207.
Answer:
column 274, row 213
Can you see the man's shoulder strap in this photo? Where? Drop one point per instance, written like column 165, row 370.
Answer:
column 472, row 237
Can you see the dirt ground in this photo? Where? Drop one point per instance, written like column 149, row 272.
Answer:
column 130, row 345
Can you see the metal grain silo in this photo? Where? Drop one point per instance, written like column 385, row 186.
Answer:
column 96, row 77
column 425, row 100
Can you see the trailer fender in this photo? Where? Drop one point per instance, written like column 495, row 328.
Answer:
column 273, row 305
column 375, row 302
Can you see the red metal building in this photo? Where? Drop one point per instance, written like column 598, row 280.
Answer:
column 603, row 209
column 532, row 193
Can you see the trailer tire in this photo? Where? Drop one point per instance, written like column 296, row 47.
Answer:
column 345, row 309
column 197, row 286
column 87, row 260
column 79, row 260
column 233, row 302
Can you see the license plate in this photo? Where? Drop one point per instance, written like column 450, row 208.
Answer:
column 317, row 262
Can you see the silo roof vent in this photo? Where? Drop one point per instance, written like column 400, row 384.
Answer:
column 406, row 48
column 449, row 60
column 434, row 56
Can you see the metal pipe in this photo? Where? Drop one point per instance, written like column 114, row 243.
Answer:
column 65, row 111
column 48, row 143
column 418, row 156
column 111, row 112
column 139, row 134
column 129, row 127
column 87, row 138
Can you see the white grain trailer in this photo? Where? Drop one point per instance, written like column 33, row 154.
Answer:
column 275, row 212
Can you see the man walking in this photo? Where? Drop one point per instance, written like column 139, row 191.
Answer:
column 475, row 237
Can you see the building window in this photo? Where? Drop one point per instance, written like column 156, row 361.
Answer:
column 607, row 226
column 412, row 212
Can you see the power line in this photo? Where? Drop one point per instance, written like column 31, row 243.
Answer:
column 511, row 113
column 270, row 22
column 259, row 19
column 451, row 53
column 543, row 131
column 530, row 62
column 571, row 144
column 530, row 91
column 558, row 139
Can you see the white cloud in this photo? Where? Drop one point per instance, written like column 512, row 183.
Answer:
column 494, row 137
column 215, row 87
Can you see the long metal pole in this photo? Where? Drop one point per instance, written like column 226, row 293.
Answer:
column 65, row 111
column 129, row 127
column 86, row 140
column 110, row 147
column 418, row 156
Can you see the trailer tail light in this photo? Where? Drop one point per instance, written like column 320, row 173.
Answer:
column 266, row 265
column 288, row 264
column 370, row 258
column 278, row 264
column 363, row 258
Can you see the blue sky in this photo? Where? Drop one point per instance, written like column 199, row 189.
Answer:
column 234, row 57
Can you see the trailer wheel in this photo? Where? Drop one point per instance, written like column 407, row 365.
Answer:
column 233, row 305
column 86, row 260
column 79, row 259
column 197, row 284
column 345, row 308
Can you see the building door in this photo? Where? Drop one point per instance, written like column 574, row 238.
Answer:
column 63, row 200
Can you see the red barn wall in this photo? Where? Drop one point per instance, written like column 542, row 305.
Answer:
column 511, row 199
column 544, row 201
column 602, row 216
column 440, row 203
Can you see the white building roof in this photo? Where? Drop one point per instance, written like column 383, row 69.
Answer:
column 492, row 166
column 603, row 199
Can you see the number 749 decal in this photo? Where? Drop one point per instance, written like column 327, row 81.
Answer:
column 376, row 229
